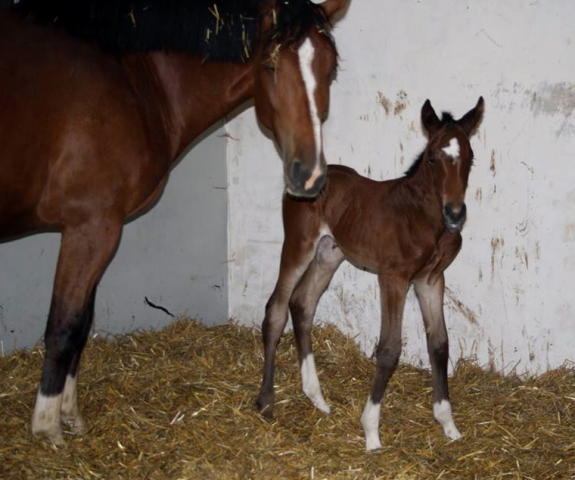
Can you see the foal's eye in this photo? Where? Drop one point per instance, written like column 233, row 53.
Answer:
column 269, row 69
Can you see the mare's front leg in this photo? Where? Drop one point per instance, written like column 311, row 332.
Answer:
column 430, row 297
column 84, row 254
column 393, row 293
column 303, row 304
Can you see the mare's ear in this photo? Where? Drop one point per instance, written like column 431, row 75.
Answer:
column 429, row 119
column 471, row 120
column 334, row 8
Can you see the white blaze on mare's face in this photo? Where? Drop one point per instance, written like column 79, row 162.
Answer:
column 306, row 53
column 370, row 424
column 310, row 384
column 452, row 149
column 442, row 413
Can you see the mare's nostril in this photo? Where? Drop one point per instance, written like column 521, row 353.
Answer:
column 298, row 174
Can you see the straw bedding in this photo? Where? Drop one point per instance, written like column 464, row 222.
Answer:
column 179, row 404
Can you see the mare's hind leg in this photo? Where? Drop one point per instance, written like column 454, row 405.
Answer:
column 393, row 293
column 70, row 414
column 297, row 253
column 430, row 297
column 84, row 254
column 303, row 305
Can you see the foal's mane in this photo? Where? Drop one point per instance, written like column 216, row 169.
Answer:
column 225, row 30
column 446, row 118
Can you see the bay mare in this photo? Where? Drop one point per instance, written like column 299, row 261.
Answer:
column 98, row 100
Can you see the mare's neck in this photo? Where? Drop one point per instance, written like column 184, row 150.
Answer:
column 190, row 96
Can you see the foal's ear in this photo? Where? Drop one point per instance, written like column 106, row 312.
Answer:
column 429, row 119
column 471, row 120
column 334, row 8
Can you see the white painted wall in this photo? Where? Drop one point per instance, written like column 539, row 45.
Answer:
column 175, row 255
column 510, row 299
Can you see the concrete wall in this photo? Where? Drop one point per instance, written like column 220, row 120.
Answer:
column 510, row 292
column 175, row 255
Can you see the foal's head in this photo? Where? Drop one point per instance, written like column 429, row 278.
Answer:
column 450, row 156
column 295, row 69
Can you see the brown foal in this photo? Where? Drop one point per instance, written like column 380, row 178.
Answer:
column 406, row 230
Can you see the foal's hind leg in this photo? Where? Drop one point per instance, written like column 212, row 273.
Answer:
column 430, row 299
column 303, row 305
column 84, row 254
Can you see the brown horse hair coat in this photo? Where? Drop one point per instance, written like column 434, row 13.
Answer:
column 406, row 230
column 98, row 100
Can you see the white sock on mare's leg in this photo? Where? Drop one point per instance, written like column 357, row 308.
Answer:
column 70, row 413
column 310, row 384
column 46, row 418
column 442, row 413
column 370, row 424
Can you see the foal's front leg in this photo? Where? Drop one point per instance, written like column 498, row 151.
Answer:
column 430, row 297
column 393, row 292
column 296, row 256
column 303, row 304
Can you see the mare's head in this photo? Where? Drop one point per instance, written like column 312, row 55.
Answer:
column 450, row 157
column 295, row 67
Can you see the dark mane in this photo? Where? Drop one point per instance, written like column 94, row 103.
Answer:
column 414, row 166
column 224, row 30
column 446, row 118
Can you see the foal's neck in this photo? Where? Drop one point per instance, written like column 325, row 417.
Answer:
column 421, row 188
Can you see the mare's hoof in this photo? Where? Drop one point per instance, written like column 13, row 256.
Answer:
column 74, row 422
column 54, row 435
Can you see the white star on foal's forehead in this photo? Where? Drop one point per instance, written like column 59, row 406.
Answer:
column 452, row 149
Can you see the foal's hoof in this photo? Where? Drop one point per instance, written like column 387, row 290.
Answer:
column 266, row 409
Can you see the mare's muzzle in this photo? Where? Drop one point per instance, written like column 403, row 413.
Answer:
column 302, row 182
column 454, row 217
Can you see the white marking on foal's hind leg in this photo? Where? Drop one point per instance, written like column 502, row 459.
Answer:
column 70, row 413
column 442, row 413
column 46, row 418
column 310, row 384
column 370, row 424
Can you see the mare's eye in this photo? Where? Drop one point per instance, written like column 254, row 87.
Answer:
column 269, row 69
column 431, row 160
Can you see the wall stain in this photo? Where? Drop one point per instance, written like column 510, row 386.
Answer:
column 496, row 244
column 384, row 102
column 522, row 256
column 569, row 235
column 492, row 164
column 469, row 314
column 478, row 195
column 401, row 103
column 537, row 250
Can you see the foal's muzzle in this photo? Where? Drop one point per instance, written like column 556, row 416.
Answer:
column 302, row 182
column 454, row 217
